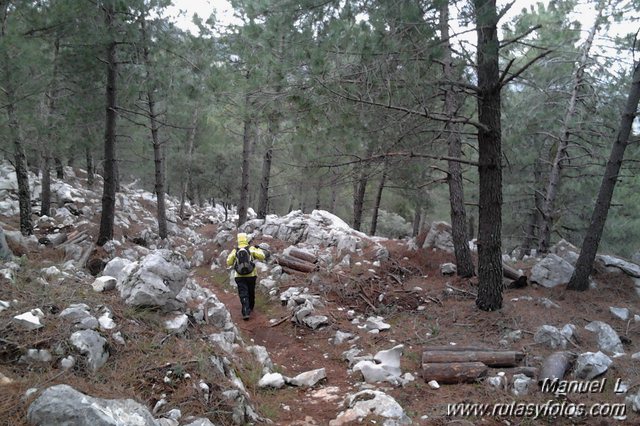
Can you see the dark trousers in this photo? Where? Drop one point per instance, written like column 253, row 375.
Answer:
column 247, row 290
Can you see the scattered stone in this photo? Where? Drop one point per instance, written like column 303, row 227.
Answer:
column 104, row 283
column 68, row 362
column 376, row 323
column 634, row 402
column 36, row 356
column 434, row 384
column 315, row 321
column 307, row 379
column 341, row 337
column 106, row 322
column 590, row 365
column 550, row 336
column 371, row 402
column 448, row 269
column 30, row 320
column 608, row 339
column 93, row 345
column 178, row 324
column 621, row 313
column 522, row 384
column 271, row 380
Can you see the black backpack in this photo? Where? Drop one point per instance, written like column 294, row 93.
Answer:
column 244, row 261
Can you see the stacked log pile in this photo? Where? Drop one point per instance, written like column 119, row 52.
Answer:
column 295, row 260
column 458, row 364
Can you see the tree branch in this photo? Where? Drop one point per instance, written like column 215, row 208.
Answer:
column 504, row 81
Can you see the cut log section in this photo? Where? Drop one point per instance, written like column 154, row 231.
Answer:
column 490, row 358
column 295, row 264
column 555, row 365
column 302, row 254
column 454, row 372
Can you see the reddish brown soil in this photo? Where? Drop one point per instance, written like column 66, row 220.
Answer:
column 450, row 316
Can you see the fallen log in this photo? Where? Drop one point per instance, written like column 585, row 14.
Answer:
column 296, row 264
column 490, row 358
column 519, row 280
column 457, row 348
column 554, row 366
column 454, row 372
column 292, row 271
column 302, row 254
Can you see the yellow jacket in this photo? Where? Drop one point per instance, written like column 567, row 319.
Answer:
column 256, row 253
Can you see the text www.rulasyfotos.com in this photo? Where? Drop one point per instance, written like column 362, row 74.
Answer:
column 550, row 408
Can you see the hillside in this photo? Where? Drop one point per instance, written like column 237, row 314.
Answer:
column 162, row 341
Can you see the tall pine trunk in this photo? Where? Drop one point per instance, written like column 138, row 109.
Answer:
column 158, row 157
column 560, row 158
column 361, row 177
column 45, row 196
column 109, row 189
column 464, row 262
column 191, row 137
column 580, row 278
column 90, row 167
column 378, row 200
column 243, row 205
column 265, row 175
column 490, row 157
column 20, row 158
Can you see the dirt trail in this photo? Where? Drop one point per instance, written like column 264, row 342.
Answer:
column 293, row 350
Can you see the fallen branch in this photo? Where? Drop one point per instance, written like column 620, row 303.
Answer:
column 461, row 290
column 281, row 320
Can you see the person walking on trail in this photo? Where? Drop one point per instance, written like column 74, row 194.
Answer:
column 242, row 258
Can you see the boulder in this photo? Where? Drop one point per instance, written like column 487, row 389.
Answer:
column 63, row 405
column 440, row 237
column 590, row 365
column 156, row 281
column 551, row 271
column 608, row 339
column 550, row 336
column 627, row 267
column 308, row 378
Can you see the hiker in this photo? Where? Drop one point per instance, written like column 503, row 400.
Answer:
column 242, row 258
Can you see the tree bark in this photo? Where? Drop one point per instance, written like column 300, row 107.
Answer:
column 45, row 196
column 417, row 218
column 490, row 157
column 90, row 167
column 20, row 158
column 191, row 137
column 535, row 218
column 158, row 157
column 580, row 278
column 59, row 167
column 555, row 175
column 378, row 200
column 490, row 358
column 464, row 261
column 109, row 189
column 265, row 176
column 454, row 372
column 295, row 263
column 360, row 189
column 243, row 205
